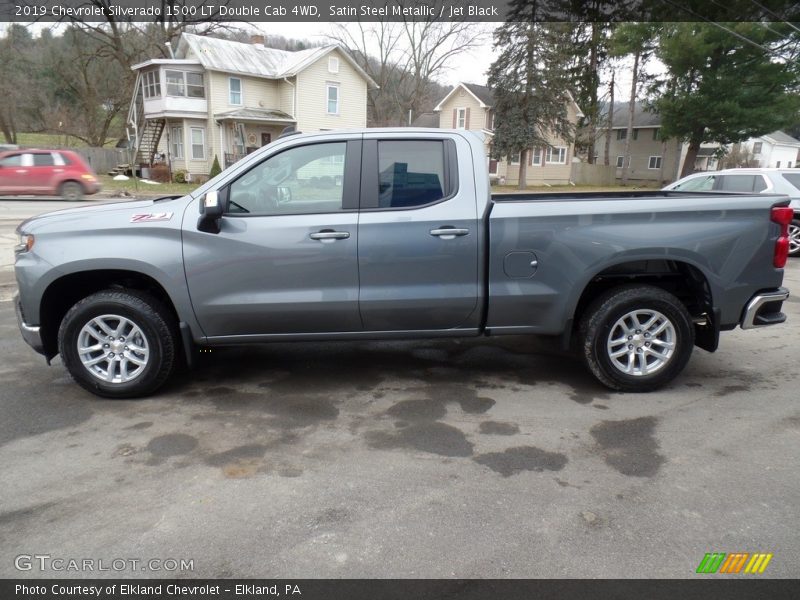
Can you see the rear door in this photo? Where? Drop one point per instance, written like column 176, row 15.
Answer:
column 418, row 234
column 42, row 174
column 285, row 260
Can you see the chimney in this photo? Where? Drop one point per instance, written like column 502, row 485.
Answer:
column 257, row 39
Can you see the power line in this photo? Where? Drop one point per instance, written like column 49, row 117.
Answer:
column 781, row 19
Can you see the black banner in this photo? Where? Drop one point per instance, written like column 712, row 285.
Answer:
column 399, row 589
column 395, row 10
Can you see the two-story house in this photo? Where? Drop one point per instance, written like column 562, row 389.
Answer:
column 469, row 106
column 225, row 99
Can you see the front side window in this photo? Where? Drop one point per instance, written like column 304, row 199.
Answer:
column 333, row 99
column 176, row 139
column 198, row 143
column 235, row 87
column 654, row 162
column 15, row 160
column 303, row 180
column 410, row 173
column 697, row 184
column 557, row 155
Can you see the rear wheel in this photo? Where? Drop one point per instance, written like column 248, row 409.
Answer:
column 636, row 338
column 71, row 190
column 118, row 344
column 794, row 238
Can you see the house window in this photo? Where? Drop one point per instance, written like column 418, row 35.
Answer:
column 556, row 155
column 185, row 84
column 235, row 90
column 198, row 143
column 515, row 159
column 176, row 142
column 461, row 118
column 333, row 98
column 536, row 159
column 757, row 148
column 655, row 135
column 635, row 134
column 620, row 161
column 194, row 85
column 622, row 134
column 778, row 165
column 333, row 65
column 789, row 165
column 152, row 85
column 654, row 162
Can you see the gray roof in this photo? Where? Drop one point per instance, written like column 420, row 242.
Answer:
column 254, row 114
column 254, row 59
column 641, row 117
column 428, row 119
column 782, row 138
column 483, row 93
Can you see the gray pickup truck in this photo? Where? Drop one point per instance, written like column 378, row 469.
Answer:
column 393, row 233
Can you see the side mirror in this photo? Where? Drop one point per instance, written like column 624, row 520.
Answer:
column 211, row 210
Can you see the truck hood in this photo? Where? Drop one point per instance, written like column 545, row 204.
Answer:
column 88, row 213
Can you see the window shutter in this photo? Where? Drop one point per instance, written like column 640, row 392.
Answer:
column 455, row 116
column 466, row 120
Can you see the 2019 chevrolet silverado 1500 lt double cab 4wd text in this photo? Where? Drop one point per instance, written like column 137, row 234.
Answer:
column 393, row 234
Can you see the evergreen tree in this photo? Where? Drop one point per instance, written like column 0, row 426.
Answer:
column 726, row 82
column 529, row 84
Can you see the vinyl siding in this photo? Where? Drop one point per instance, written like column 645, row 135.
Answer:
column 641, row 149
column 312, row 101
column 286, row 103
column 463, row 99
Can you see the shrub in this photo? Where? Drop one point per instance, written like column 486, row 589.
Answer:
column 215, row 168
column 180, row 176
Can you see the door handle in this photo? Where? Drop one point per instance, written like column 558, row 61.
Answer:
column 330, row 235
column 448, row 233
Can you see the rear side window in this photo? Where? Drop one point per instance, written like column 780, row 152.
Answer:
column 410, row 173
column 43, row 160
column 793, row 178
column 760, row 184
column 737, row 183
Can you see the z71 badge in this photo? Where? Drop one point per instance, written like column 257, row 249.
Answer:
column 149, row 217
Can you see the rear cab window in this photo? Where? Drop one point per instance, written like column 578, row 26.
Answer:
column 407, row 174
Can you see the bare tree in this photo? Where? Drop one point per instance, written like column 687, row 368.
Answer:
column 406, row 59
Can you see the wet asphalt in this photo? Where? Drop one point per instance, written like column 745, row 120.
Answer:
column 451, row 458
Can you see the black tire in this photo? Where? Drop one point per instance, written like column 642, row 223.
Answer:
column 71, row 190
column 602, row 319
column 156, row 325
column 794, row 237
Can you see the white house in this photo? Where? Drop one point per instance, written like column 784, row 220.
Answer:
column 225, row 99
column 776, row 149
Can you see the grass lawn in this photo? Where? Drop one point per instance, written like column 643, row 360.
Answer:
column 52, row 140
column 109, row 185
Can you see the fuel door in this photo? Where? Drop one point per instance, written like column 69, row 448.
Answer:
column 520, row 265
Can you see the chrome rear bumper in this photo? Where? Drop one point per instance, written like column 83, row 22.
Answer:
column 764, row 309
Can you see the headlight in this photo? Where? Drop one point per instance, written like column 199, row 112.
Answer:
column 24, row 243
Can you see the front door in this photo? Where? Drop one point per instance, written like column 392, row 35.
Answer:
column 418, row 236
column 286, row 258
column 15, row 173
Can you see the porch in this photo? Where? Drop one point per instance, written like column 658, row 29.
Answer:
column 245, row 130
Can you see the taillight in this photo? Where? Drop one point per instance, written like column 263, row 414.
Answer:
column 782, row 215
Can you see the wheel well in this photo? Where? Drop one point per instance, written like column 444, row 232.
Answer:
column 681, row 279
column 64, row 292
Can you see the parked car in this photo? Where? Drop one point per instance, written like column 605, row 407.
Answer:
column 46, row 173
column 762, row 181
column 402, row 241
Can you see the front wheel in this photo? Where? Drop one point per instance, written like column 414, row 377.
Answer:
column 118, row 344
column 794, row 238
column 636, row 338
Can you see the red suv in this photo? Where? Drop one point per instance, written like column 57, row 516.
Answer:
column 46, row 173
